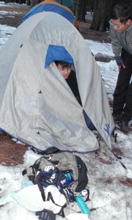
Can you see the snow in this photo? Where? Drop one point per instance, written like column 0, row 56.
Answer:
column 101, row 48
column 109, row 198
column 8, row 13
column 10, row 4
column 5, row 33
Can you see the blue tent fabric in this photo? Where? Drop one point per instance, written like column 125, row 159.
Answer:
column 59, row 53
column 88, row 122
column 49, row 7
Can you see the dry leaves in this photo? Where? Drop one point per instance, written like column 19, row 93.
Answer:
column 125, row 181
column 11, row 153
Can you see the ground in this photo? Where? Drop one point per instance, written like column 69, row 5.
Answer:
column 11, row 153
column 84, row 27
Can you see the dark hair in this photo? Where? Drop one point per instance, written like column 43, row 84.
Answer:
column 63, row 63
column 121, row 11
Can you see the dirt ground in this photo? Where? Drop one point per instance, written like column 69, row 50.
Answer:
column 84, row 27
column 12, row 153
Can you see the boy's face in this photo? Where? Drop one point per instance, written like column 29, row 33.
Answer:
column 65, row 71
column 120, row 27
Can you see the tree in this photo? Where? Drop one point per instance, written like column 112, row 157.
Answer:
column 101, row 14
column 102, row 11
column 79, row 9
column 90, row 5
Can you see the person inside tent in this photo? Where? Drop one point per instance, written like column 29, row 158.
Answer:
column 70, row 77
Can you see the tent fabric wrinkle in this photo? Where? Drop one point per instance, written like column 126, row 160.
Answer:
column 36, row 104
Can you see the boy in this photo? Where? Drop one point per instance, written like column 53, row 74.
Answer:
column 69, row 76
column 121, row 36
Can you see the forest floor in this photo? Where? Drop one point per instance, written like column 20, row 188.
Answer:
column 20, row 10
column 11, row 153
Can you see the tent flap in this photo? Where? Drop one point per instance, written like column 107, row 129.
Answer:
column 59, row 53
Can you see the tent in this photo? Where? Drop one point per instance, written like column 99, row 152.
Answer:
column 37, row 106
column 51, row 5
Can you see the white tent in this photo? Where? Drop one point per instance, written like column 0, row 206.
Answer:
column 36, row 104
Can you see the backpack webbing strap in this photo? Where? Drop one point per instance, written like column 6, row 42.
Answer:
column 41, row 190
column 51, row 197
column 61, row 213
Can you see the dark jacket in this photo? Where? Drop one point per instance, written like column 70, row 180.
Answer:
column 72, row 82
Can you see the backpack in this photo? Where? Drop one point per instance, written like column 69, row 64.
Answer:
column 63, row 170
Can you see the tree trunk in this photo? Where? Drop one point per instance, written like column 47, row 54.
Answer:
column 74, row 6
column 80, row 9
column 84, row 10
column 102, row 12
